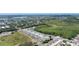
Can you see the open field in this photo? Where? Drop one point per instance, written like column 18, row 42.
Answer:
column 66, row 29
column 17, row 38
column 39, row 30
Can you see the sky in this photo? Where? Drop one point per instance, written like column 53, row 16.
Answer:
column 39, row 6
column 39, row 13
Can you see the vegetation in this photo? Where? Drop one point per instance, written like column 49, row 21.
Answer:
column 16, row 38
column 63, row 28
column 66, row 26
column 7, row 30
column 46, row 41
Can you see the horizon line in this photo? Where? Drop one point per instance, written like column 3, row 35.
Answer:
column 39, row 13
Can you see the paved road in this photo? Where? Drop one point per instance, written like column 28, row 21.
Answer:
column 5, row 34
column 40, row 36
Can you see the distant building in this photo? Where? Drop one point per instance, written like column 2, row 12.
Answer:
column 3, row 25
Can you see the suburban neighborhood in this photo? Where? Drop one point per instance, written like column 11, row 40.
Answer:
column 39, row 30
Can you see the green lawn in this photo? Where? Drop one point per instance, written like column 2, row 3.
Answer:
column 14, row 39
column 59, row 27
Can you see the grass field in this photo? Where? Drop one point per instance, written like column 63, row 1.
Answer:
column 66, row 29
column 14, row 39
